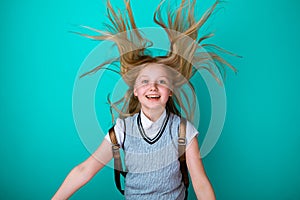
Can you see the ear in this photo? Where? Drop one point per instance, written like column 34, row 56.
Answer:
column 134, row 92
column 170, row 93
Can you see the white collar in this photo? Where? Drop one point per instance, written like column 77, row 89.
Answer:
column 147, row 123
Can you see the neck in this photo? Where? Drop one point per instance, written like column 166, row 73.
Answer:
column 153, row 114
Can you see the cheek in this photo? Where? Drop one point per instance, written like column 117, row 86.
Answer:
column 137, row 91
column 166, row 92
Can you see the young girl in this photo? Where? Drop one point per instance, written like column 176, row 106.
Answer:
column 148, row 124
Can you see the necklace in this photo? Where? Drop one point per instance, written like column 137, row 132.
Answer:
column 158, row 135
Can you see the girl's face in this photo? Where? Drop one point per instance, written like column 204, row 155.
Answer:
column 153, row 86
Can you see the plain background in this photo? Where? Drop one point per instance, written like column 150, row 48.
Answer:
column 256, row 156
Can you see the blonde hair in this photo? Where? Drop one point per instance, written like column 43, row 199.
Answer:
column 182, row 30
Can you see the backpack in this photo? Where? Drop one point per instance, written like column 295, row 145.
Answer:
column 118, row 168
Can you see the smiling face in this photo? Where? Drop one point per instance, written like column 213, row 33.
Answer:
column 153, row 87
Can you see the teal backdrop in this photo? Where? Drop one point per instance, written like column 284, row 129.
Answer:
column 257, row 154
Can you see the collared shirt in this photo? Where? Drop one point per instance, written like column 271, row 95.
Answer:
column 151, row 128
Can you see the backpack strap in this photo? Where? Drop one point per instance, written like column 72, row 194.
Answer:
column 118, row 168
column 181, row 151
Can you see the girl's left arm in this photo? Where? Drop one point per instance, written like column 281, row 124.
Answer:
column 201, row 184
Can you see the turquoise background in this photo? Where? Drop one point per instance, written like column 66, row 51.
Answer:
column 256, row 156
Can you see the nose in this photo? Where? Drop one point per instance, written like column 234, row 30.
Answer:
column 153, row 86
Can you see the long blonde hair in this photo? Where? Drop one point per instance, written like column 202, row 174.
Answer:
column 182, row 30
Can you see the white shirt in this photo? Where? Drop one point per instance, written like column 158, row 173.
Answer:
column 151, row 128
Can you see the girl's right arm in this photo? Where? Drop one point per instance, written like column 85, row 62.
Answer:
column 82, row 173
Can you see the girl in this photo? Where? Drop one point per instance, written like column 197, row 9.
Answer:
column 148, row 123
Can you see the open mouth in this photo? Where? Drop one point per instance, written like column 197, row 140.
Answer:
column 152, row 96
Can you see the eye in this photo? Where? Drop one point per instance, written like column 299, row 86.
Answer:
column 144, row 81
column 162, row 81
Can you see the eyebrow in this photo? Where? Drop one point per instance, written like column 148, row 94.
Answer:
column 149, row 76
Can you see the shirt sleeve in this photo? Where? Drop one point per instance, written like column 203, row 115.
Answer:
column 191, row 132
column 119, row 131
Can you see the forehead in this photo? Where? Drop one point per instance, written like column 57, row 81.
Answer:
column 154, row 69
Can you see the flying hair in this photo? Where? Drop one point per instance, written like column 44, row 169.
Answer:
column 186, row 56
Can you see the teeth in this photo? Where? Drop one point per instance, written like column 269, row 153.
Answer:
column 152, row 96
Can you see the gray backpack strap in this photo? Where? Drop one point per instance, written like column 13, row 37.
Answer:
column 118, row 168
column 181, row 151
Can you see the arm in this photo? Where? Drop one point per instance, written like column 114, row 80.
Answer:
column 201, row 184
column 82, row 173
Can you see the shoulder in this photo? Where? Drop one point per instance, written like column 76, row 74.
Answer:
column 189, row 125
column 191, row 131
column 129, row 118
column 174, row 118
column 122, row 125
